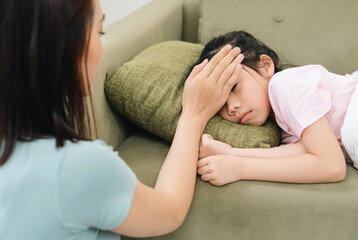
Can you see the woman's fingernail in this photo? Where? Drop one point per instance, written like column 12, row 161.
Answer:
column 240, row 56
column 228, row 47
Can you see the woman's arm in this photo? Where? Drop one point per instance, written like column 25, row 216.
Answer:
column 163, row 209
column 209, row 147
column 323, row 162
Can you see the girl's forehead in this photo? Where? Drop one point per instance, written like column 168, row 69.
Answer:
column 248, row 70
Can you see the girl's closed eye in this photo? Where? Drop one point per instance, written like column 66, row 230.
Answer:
column 102, row 33
column 233, row 88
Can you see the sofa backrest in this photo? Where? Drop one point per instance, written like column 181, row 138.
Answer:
column 301, row 32
column 191, row 16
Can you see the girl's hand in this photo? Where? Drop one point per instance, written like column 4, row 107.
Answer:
column 219, row 169
column 209, row 147
column 209, row 84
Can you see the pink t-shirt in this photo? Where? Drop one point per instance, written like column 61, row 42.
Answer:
column 301, row 96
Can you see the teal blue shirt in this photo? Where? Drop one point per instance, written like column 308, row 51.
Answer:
column 63, row 193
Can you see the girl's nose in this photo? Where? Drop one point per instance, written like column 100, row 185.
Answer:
column 233, row 107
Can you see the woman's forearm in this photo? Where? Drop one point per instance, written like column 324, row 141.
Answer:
column 282, row 151
column 178, row 173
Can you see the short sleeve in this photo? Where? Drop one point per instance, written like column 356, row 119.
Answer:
column 95, row 187
column 298, row 98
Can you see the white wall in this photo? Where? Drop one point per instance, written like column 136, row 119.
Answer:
column 116, row 9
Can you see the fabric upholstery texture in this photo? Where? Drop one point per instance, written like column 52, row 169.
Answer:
column 300, row 32
column 246, row 209
column 148, row 91
column 251, row 210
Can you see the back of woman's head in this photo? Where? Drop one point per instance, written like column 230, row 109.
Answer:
column 250, row 47
column 43, row 44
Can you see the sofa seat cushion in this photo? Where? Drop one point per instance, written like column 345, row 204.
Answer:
column 148, row 91
column 253, row 209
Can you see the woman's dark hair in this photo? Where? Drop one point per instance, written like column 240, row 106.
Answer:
column 42, row 49
column 250, row 47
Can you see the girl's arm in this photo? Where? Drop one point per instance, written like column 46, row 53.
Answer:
column 209, row 146
column 163, row 209
column 323, row 162
column 286, row 150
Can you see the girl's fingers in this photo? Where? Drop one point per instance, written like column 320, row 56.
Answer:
column 224, row 66
column 202, row 163
column 205, row 138
column 206, row 177
column 214, row 61
column 208, row 136
column 196, row 70
column 203, row 170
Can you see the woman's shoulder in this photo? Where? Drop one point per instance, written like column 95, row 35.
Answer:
column 73, row 155
column 95, row 184
column 90, row 155
column 49, row 144
column 88, row 147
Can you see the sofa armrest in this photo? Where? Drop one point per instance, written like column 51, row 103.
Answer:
column 159, row 20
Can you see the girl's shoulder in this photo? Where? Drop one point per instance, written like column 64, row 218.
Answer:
column 299, row 97
column 308, row 74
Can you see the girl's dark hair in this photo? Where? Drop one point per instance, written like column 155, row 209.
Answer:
column 250, row 47
column 42, row 49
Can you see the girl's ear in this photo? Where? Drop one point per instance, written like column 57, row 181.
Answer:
column 267, row 64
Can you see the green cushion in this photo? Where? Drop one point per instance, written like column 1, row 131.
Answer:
column 148, row 91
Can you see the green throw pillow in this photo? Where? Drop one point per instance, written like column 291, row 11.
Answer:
column 148, row 91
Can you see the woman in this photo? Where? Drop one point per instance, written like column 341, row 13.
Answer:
column 54, row 182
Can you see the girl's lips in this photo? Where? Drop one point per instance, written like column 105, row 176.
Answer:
column 245, row 117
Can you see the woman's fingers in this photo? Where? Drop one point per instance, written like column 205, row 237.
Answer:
column 203, row 91
column 233, row 79
column 196, row 70
column 214, row 61
column 231, row 70
column 224, row 68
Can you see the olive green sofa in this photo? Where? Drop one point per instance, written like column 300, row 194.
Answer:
column 302, row 32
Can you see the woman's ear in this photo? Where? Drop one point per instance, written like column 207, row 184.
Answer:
column 267, row 64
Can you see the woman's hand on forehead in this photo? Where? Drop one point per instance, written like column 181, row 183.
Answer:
column 211, row 82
